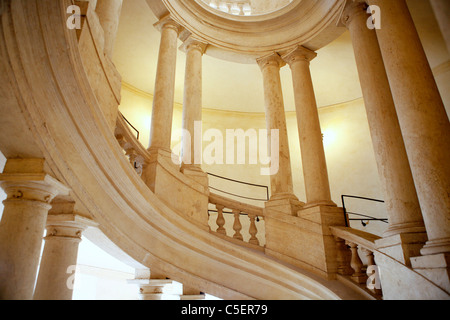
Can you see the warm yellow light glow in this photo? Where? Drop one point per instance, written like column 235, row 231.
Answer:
column 329, row 137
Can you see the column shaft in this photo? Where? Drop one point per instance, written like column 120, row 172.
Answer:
column 22, row 225
column 422, row 117
column 281, row 182
column 162, row 113
column 400, row 195
column 315, row 172
column 108, row 12
column 192, row 104
column 60, row 253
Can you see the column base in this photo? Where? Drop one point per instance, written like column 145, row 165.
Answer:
column 436, row 268
column 432, row 247
column 286, row 203
column 402, row 246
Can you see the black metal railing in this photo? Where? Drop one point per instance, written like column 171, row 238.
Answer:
column 131, row 126
column 266, row 188
column 363, row 217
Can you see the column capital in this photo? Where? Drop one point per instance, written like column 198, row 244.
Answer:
column 26, row 180
column 272, row 59
column 192, row 43
column 352, row 9
column 168, row 22
column 299, row 53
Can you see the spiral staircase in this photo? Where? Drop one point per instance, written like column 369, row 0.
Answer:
column 60, row 98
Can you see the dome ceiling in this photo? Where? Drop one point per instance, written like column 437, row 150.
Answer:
column 246, row 7
column 228, row 85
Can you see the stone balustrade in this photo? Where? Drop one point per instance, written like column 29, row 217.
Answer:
column 236, row 7
column 245, row 220
column 355, row 259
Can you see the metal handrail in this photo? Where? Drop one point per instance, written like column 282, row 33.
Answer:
column 241, row 182
column 369, row 218
column 129, row 123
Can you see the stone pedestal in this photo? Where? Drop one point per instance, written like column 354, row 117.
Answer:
column 305, row 241
column 29, row 194
column 187, row 194
column 435, row 267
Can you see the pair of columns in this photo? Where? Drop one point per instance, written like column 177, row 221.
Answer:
column 316, row 176
column 408, row 123
column 30, row 194
column 162, row 114
column 313, row 156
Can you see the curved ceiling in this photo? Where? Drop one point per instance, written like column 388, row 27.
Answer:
column 238, row 87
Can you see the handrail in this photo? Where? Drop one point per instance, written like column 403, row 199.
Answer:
column 233, row 204
column 244, row 183
column 129, row 123
column 369, row 218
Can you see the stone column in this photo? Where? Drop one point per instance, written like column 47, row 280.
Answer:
column 29, row 192
column 422, row 117
column 315, row 171
column 192, row 104
column 162, row 113
column 400, row 195
column 108, row 12
column 280, row 182
column 64, row 230
column 441, row 10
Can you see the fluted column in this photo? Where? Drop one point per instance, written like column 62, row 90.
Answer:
column 400, row 195
column 64, row 231
column 422, row 117
column 108, row 12
column 162, row 113
column 315, row 172
column 280, row 182
column 29, row 192
column 192, row 104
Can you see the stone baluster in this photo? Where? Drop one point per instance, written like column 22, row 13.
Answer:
column 253, row 230
column 343, row 258
column 237, row 226
column 220, row 219
column 372, row 272
column 358, row 275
